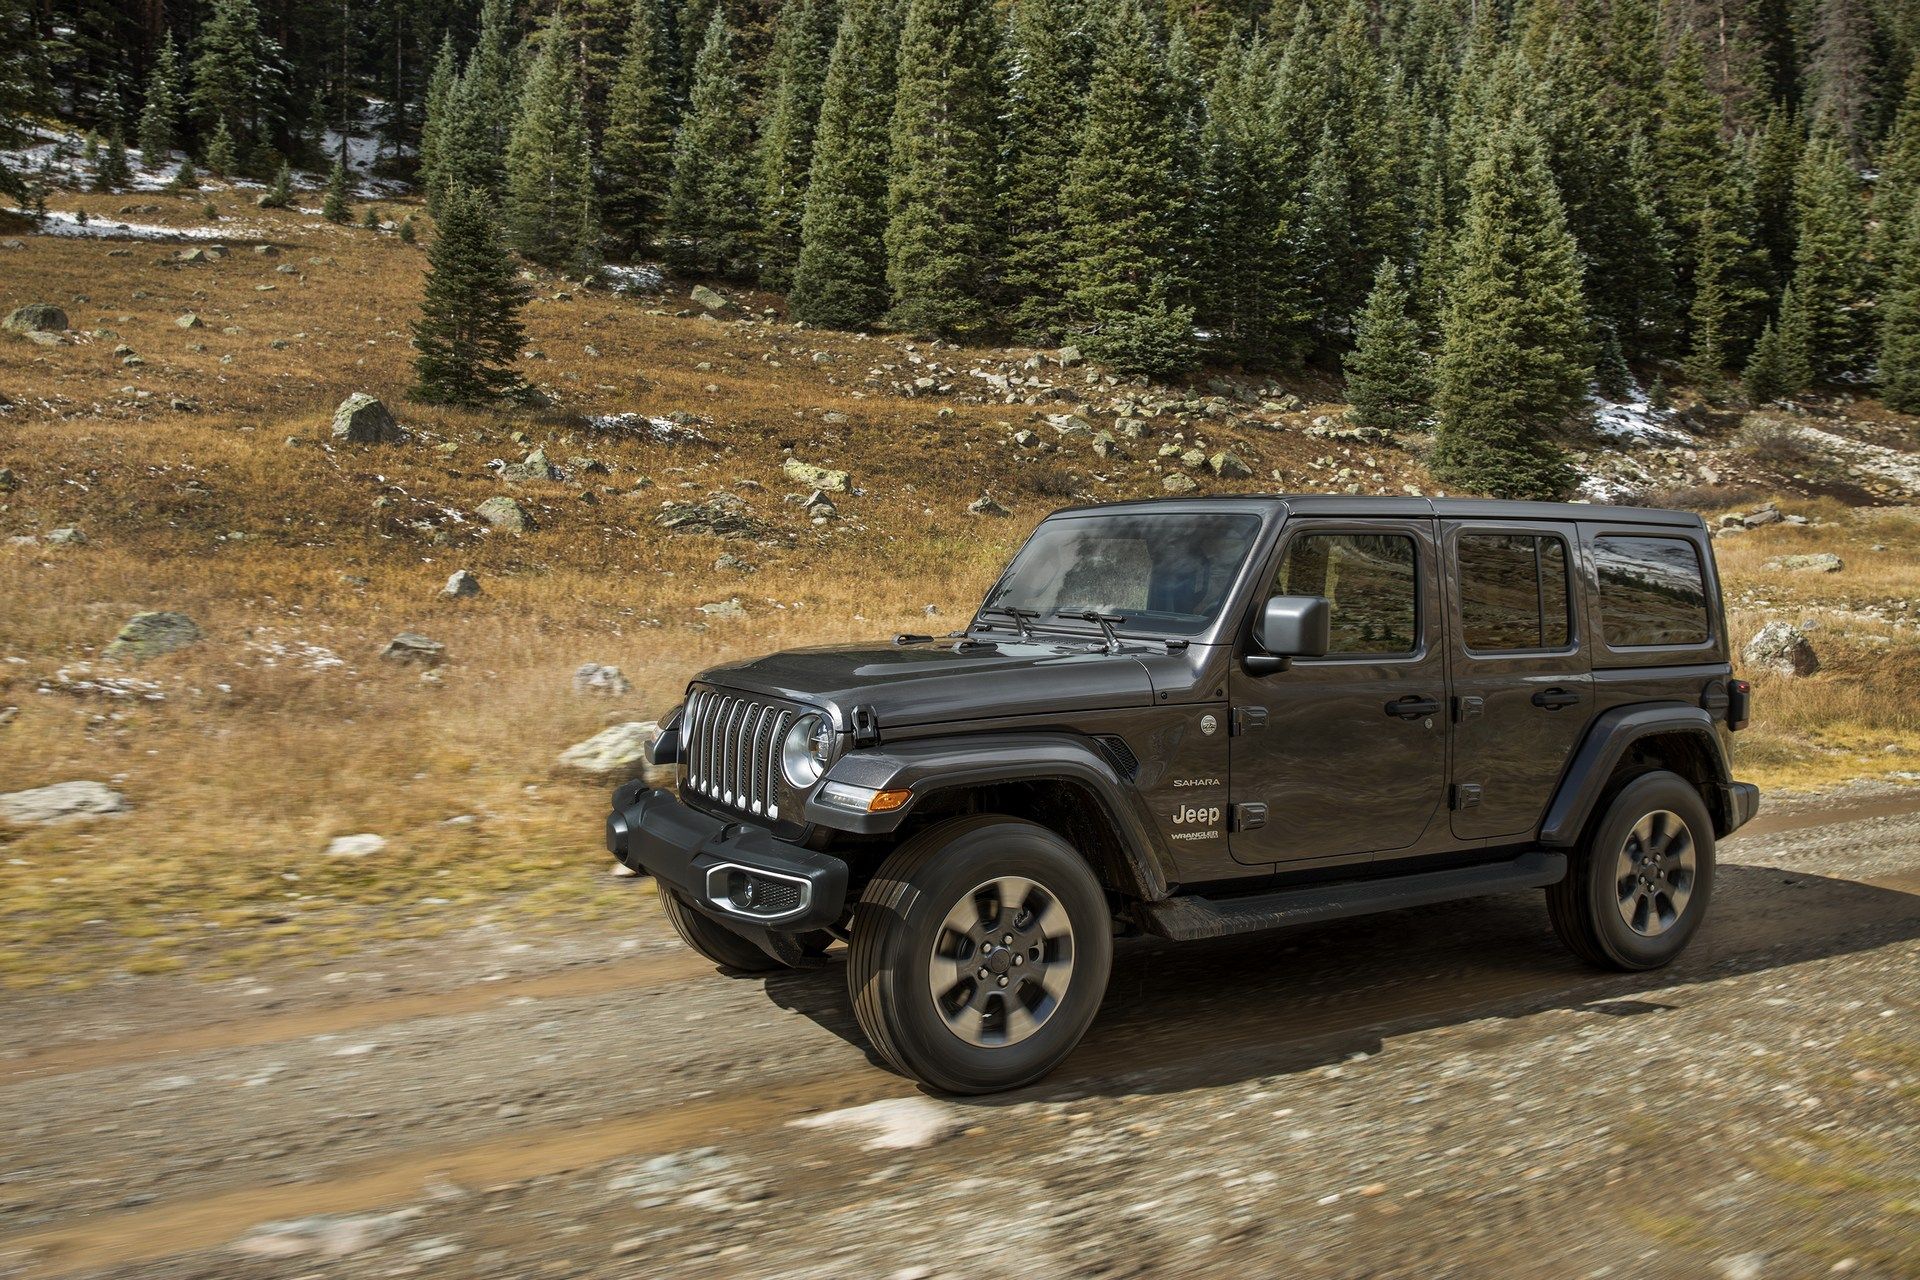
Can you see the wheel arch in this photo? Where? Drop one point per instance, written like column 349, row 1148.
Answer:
column 1624, row 741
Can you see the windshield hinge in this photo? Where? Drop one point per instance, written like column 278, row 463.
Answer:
column 866, row 727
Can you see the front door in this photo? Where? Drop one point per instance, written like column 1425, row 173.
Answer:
column 1346, row 753
column 1521, row 688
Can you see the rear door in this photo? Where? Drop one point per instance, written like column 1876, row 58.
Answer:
column 1346, row 755
column 1522, row 691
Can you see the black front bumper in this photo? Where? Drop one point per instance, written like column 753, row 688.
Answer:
column 693, row 852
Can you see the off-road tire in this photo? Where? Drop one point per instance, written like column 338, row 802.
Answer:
column 900, row 917
column 714, row 940
column 1585, row 907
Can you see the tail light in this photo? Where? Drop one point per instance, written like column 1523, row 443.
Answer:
column 1739, row 703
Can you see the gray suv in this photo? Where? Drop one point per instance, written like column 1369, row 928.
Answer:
column 1194, row 718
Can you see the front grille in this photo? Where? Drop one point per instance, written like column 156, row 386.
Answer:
column 733, row 750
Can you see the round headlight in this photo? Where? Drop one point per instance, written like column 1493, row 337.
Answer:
column 797, row 758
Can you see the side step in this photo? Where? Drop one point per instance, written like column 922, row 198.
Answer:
column 1185, row 919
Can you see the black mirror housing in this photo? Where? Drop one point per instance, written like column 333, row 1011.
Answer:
column 1295, row 626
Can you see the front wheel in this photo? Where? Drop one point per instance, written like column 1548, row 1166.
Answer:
column 1639, row 885
column 980, row 954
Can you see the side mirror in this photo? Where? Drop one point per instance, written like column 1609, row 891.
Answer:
column 1290, row 627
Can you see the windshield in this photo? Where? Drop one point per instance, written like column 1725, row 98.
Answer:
column 1165, row 572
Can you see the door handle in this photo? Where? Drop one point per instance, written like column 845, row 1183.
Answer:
column 1413, row 707
column 1554, row 699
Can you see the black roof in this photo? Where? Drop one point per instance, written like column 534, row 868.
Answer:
column 1360, row 505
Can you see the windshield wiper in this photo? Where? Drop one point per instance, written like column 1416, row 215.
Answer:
column 1105, row 621
column 1021, row 618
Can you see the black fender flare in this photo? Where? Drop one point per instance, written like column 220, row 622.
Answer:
column 1606, row 743
column 930, row 765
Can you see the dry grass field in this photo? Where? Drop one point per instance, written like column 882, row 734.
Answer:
column 244, row 755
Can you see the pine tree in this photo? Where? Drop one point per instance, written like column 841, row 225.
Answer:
column 222, row 157
column 636, row 156
column 439, row 105
column 1900, row 322
column 1897, row 188
column 471, row 147
column 1775, row 159
column 1843, row 70
column 184, row 178
column 1121, row 191
column 1513, row 364
column 1766, row 378
column 1828, row 258
column 550, row 212
column 1687, row 151
column 339, row 190
column 940, row 211
column 113, row 171
column 840, row 278
column 1389, row 385
column 469, row 332
column 21, row 88
column 1049, row 57
column 160, row 114
column 1727, row 298
column 280, row 194
column 230, row 77
column 803, row 40
column 710, row 212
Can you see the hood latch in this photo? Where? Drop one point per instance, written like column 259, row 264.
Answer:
column 866, row 727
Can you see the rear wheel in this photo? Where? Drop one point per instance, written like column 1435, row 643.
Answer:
column 1639, row 885
column 712, row 939
column 980, row 954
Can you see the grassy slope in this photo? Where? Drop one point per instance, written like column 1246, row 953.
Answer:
column 250, row 759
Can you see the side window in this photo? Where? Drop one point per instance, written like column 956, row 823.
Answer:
column 1652, row 591
column 1513, row 592
column 1367, row 578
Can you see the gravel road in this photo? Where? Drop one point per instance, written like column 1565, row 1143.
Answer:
column 1441, row 1092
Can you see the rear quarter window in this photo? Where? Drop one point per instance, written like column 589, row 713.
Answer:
column 1653, row 592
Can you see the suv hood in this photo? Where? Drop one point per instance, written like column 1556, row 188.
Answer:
column 930, row 683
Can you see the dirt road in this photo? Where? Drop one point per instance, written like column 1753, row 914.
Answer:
column 1436, row 1092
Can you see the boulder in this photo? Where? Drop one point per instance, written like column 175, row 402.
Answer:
column 721, row 515
column 1068, row 357
column 984, row 505
column 8, row 481
column 67, row 537
column 1782, row 649
column 36, row 317
column 534, row 466
column 361, row 419
column 1179, row 482
column 148, row 635
column 1228, row 466
column 358, row 846
column 601, row 679
column 61, row 802
column 712, row 301
column 728, row 608
column 410, row 648
column 1766, row 515
column 463, row 582
column 189, row 321
column 617, row 751
column 505, row 514
column 1817, row 562
column 808, row 476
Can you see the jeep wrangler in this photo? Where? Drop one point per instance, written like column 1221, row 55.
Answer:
column 1200, row 717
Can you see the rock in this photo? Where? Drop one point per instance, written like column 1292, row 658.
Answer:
column 1025, row 439
column 1783, row 649
column 620, row 750
column 48, row 338
column 1768, row 514
column 1105, row 446
column 823, row 478
column 1228, row 466
column 325, row 1236
column 67, row 537
column 193, row 255
column 730, row 563
column 1179, row 483
column 361, row 419
column 894, row 1124
column 723, row 515
column 462, row 583
column 355, row 846
column 532, row 467
column 265, row 251
column 1068, row 357
column 505, row 514
column 728, row 608
column 61, row 802
column 413, row 649
column 984, row 505
column 601, row 679
column 36, row 317
column 1734, row 520
column 712, row 301
column 1193, row 458
column 189, row 321
column 1817, row 562
column 148, row 635
column 8, row 481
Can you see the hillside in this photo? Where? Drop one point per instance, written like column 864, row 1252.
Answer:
column 180, row 425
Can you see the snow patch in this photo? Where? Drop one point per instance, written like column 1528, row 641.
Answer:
column 659, row 430
column 896, row 1124
column 58, row 222
column 640, row 277
column 1635, row 422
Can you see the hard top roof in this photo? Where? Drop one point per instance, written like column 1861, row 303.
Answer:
column 1361, row 505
